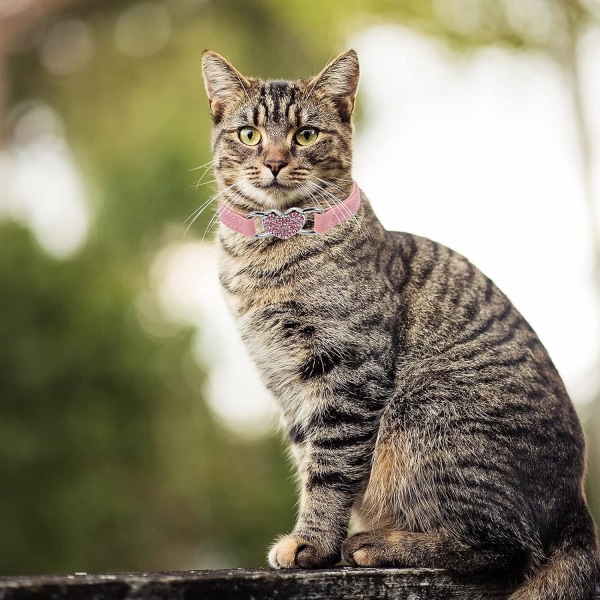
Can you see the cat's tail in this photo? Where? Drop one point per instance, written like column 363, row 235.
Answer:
column 572, row 569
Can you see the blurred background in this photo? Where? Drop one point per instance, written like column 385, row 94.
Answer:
column 133, row 432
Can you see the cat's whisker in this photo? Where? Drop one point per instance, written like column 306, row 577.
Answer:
column 201, row 183
column 319, row 188
column 227, row 201
column 327, row 200
column 244, row 188
column 308, row 192
column 214, row 221
column 329, row 184
column 324, row 189
column 330, row 199
column 207, row 167
column 323, row 192
column 333, row 185
column 205, row 204
column 196, row 214
column 342, row 179
column 196, row 186
column 343, row 208
column 199, row 210
column 206, row 164
column 209, row 228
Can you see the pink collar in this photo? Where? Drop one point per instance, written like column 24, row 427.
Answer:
column 285, row 225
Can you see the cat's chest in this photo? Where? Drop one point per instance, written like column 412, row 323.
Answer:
column 281, row 296
column 281, row 324
column 292, row 322
column 283, row 334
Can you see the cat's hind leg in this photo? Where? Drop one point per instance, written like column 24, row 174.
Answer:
column 433, row 550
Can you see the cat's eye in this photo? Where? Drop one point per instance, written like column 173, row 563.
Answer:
column 249, row 136
column 306, row 136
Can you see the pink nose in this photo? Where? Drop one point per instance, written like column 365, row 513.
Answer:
column 275, row 165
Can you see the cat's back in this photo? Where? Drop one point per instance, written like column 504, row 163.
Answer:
column 472, row 363
column 451, row 308
column 456, row 318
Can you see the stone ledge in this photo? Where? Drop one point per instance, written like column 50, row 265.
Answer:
column 257, row 584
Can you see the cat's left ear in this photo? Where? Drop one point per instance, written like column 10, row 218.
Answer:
column 223, row 82
column 339, row 79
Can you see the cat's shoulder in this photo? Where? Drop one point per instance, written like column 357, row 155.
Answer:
column 418, row 246
column 427, row 261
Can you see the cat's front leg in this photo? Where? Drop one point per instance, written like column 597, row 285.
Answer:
column 319, row 532
column 334, row 466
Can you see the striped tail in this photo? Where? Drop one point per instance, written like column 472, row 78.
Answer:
column 571, row 571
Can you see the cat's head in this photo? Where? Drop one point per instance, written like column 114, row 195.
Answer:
column 282, row 143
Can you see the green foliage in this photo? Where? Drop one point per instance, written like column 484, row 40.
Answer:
column 79, row 390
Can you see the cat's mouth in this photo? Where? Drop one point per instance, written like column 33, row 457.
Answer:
column 276, row 188
column 275, row 194
column 275, row 184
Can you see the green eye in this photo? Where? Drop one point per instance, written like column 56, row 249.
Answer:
column 307, row 136
column 249, row 136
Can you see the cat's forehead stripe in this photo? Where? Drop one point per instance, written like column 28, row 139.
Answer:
column 293, row 114
column 262, row 114
column 275, row 98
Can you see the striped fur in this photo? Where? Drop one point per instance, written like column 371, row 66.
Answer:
column 415, row 396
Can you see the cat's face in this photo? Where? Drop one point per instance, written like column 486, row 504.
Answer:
column 278, row 144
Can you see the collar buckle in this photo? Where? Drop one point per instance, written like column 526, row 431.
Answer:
column 284, row 225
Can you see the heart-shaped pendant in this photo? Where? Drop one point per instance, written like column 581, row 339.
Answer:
column 285, row 225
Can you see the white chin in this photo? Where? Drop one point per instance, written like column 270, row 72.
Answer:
column 273, row 196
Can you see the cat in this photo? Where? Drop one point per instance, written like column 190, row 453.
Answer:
column 417, row 400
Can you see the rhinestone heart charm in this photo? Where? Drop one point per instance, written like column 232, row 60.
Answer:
column 285, row 225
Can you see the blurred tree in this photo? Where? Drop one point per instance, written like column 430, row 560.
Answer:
column 80, row 383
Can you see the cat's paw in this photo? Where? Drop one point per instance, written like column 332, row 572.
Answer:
column 292, row 552
column 369, row 550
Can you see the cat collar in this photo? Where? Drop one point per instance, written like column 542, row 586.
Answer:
column 284, row 225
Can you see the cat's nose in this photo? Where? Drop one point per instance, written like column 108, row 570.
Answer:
column 275, row 165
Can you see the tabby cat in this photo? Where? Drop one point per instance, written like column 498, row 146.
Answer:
column 416, row 398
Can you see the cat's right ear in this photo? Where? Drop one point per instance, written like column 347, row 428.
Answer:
column 339, row 80
column 223, row 82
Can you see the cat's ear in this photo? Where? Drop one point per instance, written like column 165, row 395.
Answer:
column 339, row 79
column 223, row 82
